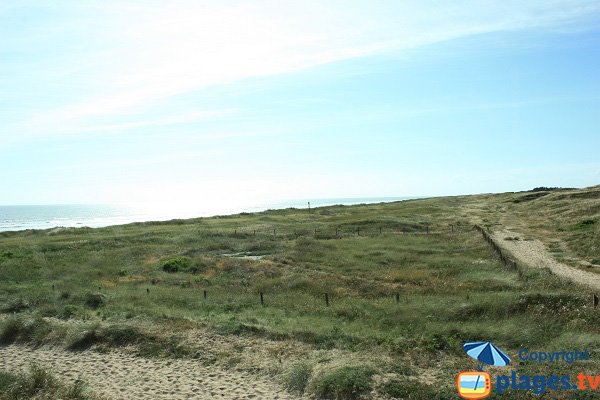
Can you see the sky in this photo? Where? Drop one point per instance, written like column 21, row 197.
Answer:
column 243, row 102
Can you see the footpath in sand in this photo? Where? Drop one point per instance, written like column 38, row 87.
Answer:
column 534, row 253
column 116, row 375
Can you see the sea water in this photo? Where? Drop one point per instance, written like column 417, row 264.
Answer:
column 14, row 218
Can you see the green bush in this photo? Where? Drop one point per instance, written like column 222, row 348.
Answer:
column 586, row 223
column 344, row 383
column 24, row 329
column 38, row 383
column 119, row 336
column 35, row 382
column 111, row 336
column 176, row 264
column 16, row 306
column 95, row 300
column 6, row 381
column 84, row 339
column 297, row 376
column 68, row 311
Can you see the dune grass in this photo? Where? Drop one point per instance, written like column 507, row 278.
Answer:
column 40, row 384
column 410, row 281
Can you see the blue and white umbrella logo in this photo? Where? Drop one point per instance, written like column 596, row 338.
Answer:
column 487, row 353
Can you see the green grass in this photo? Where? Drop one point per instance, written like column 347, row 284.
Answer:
column 40, row 384
column 297, row 377
column 346, row 383
column 450, row 286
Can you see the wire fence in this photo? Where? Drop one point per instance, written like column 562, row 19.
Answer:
column 346, row 231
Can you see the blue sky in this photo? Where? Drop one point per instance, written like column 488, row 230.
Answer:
column 229, row 102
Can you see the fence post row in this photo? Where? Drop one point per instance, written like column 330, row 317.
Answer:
column 505, row 260
column 355, row 231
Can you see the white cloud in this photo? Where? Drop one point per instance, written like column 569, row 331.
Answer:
column 155, row 50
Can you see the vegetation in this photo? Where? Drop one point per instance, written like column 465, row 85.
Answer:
column 407, row 284
column 344, row 383
column 39, row 384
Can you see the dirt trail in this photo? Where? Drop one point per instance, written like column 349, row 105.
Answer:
column 534, row 253
column 117, row 375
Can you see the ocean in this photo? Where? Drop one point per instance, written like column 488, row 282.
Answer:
column 15, row 218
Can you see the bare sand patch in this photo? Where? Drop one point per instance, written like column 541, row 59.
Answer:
column 117, row 375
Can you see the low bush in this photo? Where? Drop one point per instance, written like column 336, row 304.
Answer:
column 40, row 384
column 24, row 329
column 176, row 264
column 297, row 377
column 110, row 336
column 16, row 306
column 346, row 383
column 95, row 300
column 83, row 339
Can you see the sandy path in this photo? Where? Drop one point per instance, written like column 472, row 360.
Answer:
column 121, row 376
column 535, row 254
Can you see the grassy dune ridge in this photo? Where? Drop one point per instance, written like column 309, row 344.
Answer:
column 141, row 286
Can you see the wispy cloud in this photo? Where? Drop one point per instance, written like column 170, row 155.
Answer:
column 147, row 52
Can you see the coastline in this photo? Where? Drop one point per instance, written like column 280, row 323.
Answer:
column 14, row 218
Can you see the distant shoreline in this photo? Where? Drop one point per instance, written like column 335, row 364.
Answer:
column 15, row 218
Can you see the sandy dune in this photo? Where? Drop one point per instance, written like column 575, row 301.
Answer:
column 121, row 376
column 535, row 254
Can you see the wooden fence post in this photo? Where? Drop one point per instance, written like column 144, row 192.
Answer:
column 327, row 299
column 397, row 297
column 262, row 300
column 595, row 300
column 205, row 295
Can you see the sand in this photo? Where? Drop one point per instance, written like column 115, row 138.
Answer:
column 117, row 375
column 534, row 253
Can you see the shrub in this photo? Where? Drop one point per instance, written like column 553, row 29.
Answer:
column 6, row 380
column 345, row 383
column 110, row 336
column 84, row 339
column 68, row 311
column 95, row 300
column 31, row 329
column 16, row 305
column 176, row 264
column 38, row 383
column 121, row 335
column 297, row 376
column 586, row 223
